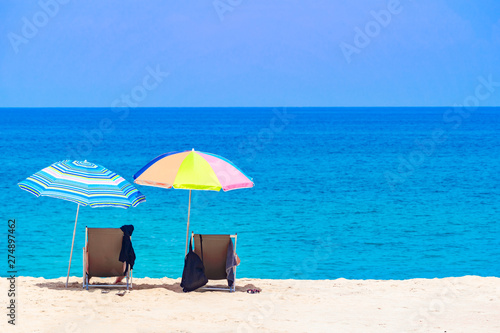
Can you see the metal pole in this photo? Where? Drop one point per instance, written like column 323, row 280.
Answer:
column 72, row 244
column 187, row 231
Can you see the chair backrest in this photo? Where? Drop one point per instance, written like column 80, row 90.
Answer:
column 214, row 254
column 104, row 246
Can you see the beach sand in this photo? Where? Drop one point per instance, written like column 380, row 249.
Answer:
column 465, row 304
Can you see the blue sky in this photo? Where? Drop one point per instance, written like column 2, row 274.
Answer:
column 57, row 53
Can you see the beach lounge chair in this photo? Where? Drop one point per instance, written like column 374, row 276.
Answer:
column 215, row 257
column 103, row 246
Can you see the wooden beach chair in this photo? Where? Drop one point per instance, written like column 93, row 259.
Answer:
column 215, row 249
column 100, row 256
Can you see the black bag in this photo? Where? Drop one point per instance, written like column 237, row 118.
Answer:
column 193, row 275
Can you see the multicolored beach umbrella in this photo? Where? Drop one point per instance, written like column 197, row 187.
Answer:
column 84, row 183
column 192, row 170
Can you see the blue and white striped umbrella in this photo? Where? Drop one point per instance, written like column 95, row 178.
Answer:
column 84, row 183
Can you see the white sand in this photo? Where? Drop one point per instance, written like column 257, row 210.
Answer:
column 465, row 304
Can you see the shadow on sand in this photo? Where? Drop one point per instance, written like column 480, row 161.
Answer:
column 175, row 287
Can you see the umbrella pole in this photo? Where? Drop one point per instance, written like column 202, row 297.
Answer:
column 187, row 231
column 72, row 244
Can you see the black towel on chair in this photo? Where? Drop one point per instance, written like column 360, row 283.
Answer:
column 127, row 253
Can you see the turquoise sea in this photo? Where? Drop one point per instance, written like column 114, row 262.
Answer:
column 360, row 193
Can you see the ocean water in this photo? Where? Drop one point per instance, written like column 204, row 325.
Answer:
column 360, row 193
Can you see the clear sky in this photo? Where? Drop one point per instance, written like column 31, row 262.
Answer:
column 56, row 53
